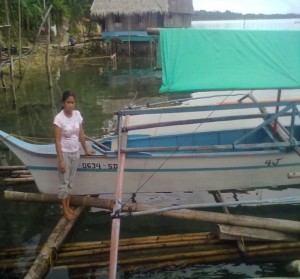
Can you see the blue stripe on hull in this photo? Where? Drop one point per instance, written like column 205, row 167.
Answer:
column 173, row 169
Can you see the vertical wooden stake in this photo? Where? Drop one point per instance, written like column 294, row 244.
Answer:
column 115, row 228
column 275, row 131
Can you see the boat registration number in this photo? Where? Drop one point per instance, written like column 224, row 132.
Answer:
column 275, row 162
column 99, row 166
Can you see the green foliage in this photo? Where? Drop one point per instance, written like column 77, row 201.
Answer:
column 33, row 11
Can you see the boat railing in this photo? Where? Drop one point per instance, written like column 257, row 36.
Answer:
column 177, row 102
column 210, row 107
column 221, row 147
column 283, row 108
column 98, row 145
column 277, row 126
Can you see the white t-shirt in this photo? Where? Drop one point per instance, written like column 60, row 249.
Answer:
column 70, row 130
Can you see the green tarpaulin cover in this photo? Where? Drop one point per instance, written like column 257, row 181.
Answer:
column 196, row 60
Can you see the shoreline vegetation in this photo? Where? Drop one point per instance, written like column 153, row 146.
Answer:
column 69, row 22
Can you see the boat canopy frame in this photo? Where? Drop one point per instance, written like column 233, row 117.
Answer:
column 282, row 108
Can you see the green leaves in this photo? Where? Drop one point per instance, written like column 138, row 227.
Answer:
column 32, row 12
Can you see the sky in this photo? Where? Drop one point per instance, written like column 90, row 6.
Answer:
column 249, row 6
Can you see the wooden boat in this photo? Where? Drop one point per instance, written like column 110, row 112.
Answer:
column 198, row 144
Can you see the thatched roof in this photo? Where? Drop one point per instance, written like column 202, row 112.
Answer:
column 129, row 7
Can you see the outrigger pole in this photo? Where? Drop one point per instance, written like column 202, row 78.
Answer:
column 115, row 227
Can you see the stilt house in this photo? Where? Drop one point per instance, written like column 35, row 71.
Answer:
column 138, row 15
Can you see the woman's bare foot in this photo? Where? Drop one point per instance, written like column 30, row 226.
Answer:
column 67, row 211
column 68, row 216
column 71, row 211
column 69, row 208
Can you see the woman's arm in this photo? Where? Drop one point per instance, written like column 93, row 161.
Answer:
column 83, row 142
column 60, row 158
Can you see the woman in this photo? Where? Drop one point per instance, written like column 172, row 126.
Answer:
column 68, row 134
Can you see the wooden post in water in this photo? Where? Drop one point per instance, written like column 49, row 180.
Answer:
column 11, row 62
column 115, row 228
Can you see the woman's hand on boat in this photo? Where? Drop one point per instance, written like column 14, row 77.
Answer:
column 90, row 152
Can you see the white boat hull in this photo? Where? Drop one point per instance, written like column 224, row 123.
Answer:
column 178, row 173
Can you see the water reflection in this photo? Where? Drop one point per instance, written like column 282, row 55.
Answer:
column 36, row 104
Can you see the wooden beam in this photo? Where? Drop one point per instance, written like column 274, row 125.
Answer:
column 246, row 233
column 41, row 265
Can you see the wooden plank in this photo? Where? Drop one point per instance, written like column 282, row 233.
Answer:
column 237, row 232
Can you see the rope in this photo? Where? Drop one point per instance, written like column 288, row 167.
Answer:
column 33, row 139
column 51, row 251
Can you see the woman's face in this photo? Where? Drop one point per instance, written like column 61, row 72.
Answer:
column 69, row 104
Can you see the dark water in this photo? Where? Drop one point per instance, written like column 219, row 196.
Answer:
column 100, row 92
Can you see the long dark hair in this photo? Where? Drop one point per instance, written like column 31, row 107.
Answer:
column 66, row 95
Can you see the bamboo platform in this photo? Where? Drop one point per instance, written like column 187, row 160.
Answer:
column 151, row 252
column 271, row 240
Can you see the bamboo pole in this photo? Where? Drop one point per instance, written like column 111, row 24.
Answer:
column 34, row 45
column 162, row 257
column 20, row 36
column 238, row 220
column 295, row 174
column 115, row 230
column 47, row 55
column 136, row 247
column 53, row 198
column 20, row 172
column 18, row 180
column 94, row 57
column 11, row 61
column 205, row 237
column 287, row 226
column 11, row 168
column 42, row 262
column 275, row 125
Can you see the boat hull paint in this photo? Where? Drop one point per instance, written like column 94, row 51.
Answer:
column 160, row 173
